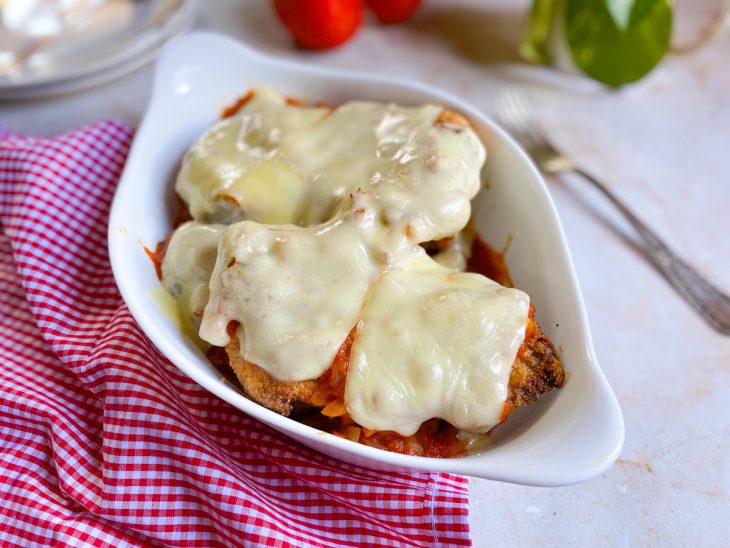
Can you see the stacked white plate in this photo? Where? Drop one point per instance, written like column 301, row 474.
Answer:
column 49, row 47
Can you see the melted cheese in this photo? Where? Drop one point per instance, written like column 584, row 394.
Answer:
column 187, row 266
column 457, row 251
column 328, row 207
column 236, row 171
column 434, row 343
column 295, row 291
column 275, row 163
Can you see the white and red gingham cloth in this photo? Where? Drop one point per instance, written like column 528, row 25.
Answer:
column 103, row 442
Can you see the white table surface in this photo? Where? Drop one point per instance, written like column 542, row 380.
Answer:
column 663, row 145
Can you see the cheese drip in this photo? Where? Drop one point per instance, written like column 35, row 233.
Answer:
column 434, row 343
column 276, row 163
column 457, row 251
column 295, row 291
column 187, row 266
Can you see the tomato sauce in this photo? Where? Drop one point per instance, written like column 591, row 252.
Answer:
column 489, row 262
column 158, row 255
column 230, row 110
column 233, row 109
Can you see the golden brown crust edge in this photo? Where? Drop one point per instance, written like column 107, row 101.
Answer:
column 536, row 370
column 284, row 397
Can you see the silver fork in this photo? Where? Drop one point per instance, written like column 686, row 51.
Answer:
column 514, row 113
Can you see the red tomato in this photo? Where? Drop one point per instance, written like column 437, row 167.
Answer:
column 393, row 11
column 320, row 24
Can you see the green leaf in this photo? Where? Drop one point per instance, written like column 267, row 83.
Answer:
column 533, row 46
column 617, row 41
column 620, row 11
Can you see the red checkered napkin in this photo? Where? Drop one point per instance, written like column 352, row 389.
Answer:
column 104, row 442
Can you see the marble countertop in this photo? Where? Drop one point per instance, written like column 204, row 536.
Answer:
column 664, row 146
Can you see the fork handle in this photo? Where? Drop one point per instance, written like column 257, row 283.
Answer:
column 710, row 302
